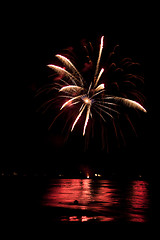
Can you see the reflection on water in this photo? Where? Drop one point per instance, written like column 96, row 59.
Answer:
column 138, row 201
column 98, row 200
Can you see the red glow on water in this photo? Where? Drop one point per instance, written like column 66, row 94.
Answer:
column 68, row 191
column 83, row 200
column 87, row 218
column 138, row 201
column 71, row 190
column 82, row 195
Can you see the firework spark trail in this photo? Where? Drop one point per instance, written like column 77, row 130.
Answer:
column 131, row 103
column 99, row 58
column 84, row 105
column 74, row 89
column 87, row 118
column 70, row 101
column 63, row 71
column 99, row 76
column 68, row 63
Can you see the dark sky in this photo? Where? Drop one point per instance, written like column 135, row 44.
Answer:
column 32, row 35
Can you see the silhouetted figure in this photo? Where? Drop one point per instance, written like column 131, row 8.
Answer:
column 76, row 202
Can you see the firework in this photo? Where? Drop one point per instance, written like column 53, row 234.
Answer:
column 90, row 97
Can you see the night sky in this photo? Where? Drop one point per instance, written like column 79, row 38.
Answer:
column 32, row 36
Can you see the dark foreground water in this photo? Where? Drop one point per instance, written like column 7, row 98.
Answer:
column 41, row 202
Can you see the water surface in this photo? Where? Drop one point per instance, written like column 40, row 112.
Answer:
column 94, row 200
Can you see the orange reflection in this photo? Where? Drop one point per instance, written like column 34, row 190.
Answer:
column 138, row 201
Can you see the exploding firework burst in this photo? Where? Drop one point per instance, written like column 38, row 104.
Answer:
column 90, row 96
